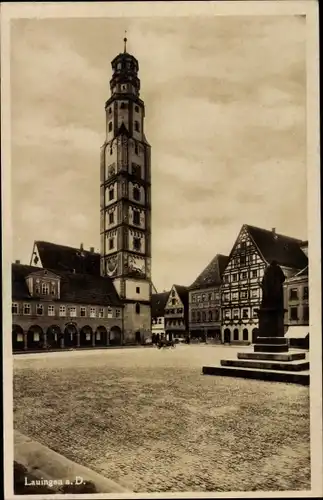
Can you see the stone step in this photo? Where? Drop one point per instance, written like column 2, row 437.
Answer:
column 270, row 348
column 271, row 340
column 293, row 366
column 272, row 356
column 302, row 378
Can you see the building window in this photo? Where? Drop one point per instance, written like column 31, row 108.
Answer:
column 293, row 294
column 53, row 288
column 293, row 311
column 235, row 313
column 111, row 194
column 216, row 314
column 245, row 313
column 305, row 293
column 136, row 148
column 110, row 111
column 137, row 128
column 243, row 245
column 254, row 292
column 83, row 311
column 210, row 316
column 137, row 244
column 92, row 312
column 27, row 309
column 306, row 313
column 137, row 109
column 14, row 308
column 136, row 217
column 254, row 273
column 198, row 316
column 243, row 294
column 72, row 311
column 203, row 316
column 235, row 277
column 203, row 297
column 137, row 308
column 160, row 320
column 137, row 289
column 62, row 310
column 173, row 302
column 227, row 314
column 244, row 275
column 245, row 334
column 122, row 105
column 111, row 218
column 226, row 278
column 39, row 309
column 111, row 151
column 110, row 312
column 236, row 334
column 217, row 296
column 111, row 243
column 235, row 295
column 252, row 259
column 136, row 194
column 101, row 312
column 193, row 316
column 198, row 298
column 37, row 289
column 193, row 298
column 51, row 311
column 136, row 170
column 254, row 313
column 110, row 126
column 45, row 288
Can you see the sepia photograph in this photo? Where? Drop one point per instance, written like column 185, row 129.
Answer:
column 161, row 249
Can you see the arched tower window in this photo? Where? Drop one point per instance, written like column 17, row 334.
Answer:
column 136, row 194
column 137, row 129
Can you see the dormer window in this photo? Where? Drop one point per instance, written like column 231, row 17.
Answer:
column 45, row 288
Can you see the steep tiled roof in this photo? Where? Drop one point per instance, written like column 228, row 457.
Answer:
column 273, row 246
column 183, row 293
column 68, row 259
column 158, row 303
column 212, row 274
column 76, row 288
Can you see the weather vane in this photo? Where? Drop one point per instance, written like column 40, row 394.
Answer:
column 125, row 41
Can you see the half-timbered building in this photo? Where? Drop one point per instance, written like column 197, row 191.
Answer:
column 253, row 250
column 158, row 304
column 205, row 302
column 176, row 313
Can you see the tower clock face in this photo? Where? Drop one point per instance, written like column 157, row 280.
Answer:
column 112, row 265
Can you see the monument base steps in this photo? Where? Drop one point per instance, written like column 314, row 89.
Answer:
column 271, row 360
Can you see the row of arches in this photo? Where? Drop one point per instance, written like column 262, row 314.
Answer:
column 233, row 335
column 71, row 336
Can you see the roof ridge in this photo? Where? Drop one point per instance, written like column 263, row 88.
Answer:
column 277, row 234
column 66, row 246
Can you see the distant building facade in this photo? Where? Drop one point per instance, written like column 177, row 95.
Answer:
column 158, row 303
column 297, row 299
column 205, row 302
column 176, row 313
column 56, row 309
column 241, row 290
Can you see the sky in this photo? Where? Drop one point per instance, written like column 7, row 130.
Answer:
column 225, row 105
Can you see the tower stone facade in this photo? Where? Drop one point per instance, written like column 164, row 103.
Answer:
column 125, row 193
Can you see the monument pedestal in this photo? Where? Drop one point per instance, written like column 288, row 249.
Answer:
column 270, row 360
column 271, row 322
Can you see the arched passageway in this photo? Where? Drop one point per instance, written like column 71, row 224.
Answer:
column 101, row 336
column 35, row 337
column 86, row 335
column 53, row 336
column 70, row 336
column 115, row 335
column 227, row 336
column 18, row 342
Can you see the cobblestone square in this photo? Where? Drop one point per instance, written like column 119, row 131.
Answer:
column 150, row 420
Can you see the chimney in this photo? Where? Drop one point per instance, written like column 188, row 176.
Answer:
column 17, row 261
column 274, row 230
column 92, row 249
column 81, row 247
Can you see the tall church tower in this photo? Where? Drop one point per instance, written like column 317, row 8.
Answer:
column 125, row 198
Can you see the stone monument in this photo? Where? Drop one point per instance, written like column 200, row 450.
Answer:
column 271, row 312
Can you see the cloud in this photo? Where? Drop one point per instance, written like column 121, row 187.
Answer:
column 225, row 116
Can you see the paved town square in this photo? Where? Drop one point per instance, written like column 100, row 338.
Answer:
column 149, row 419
